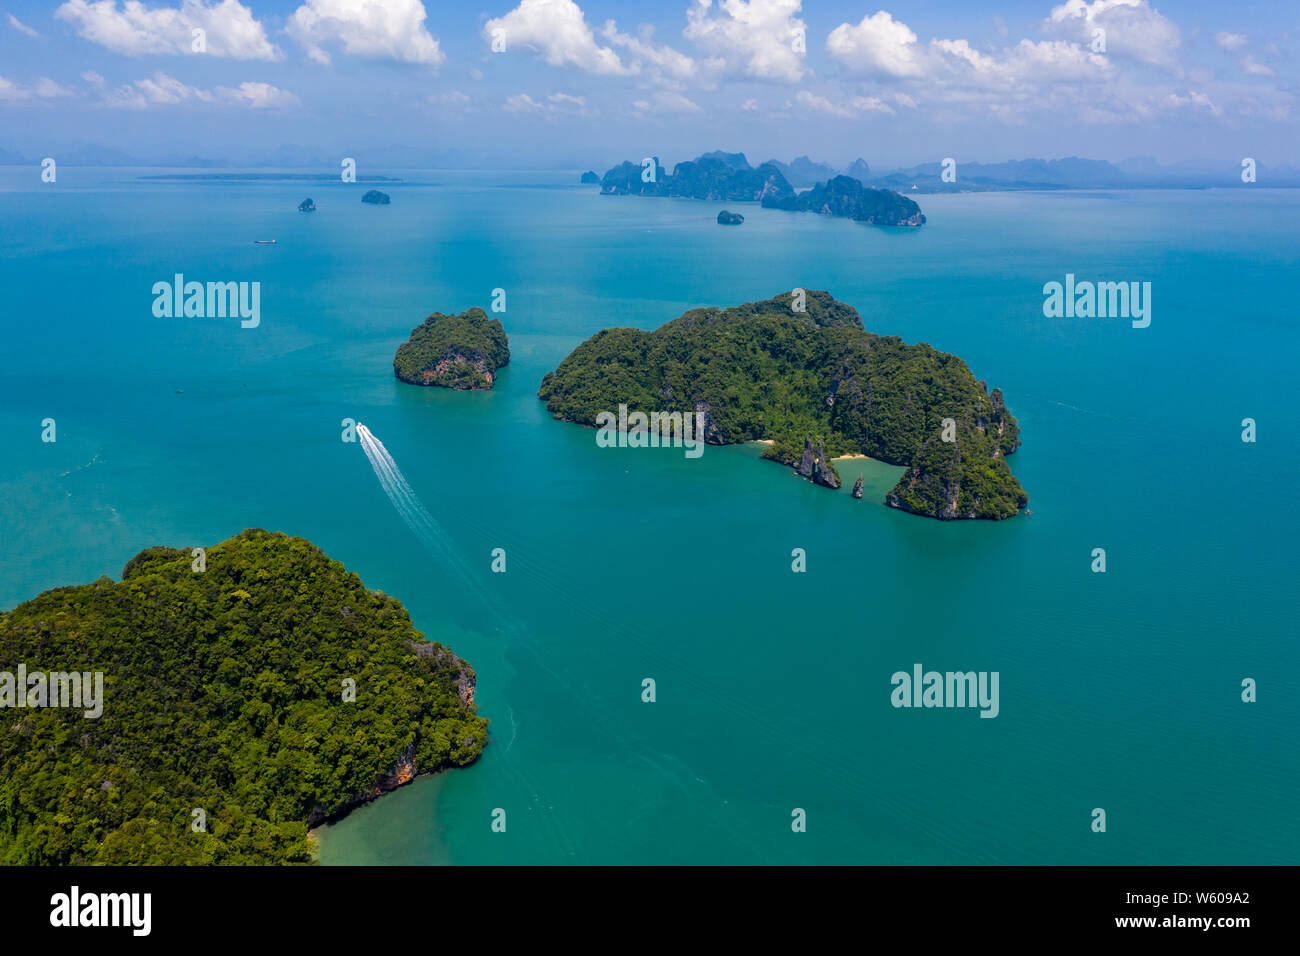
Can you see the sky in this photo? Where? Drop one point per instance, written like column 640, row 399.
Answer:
column 557, row 83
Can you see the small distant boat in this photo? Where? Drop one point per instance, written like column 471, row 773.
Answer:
column 264, row 242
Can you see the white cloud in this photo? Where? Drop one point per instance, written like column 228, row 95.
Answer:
column 749, row 105
column 666, row 101
column 257, row 96
column 43, row 89
column 138, row 30
column 1133, row 29
column 662, row 64
column 47, row 89
column 387, row 30
column 9, row 90
column 1193, row 100
column 1255, row 68
column 1231, row 41
column 160, row 89
column 878, row 45
column 556, row 104
column 21, row 27
column 1007, row 82
column 852, row 107
column 522, row 103
column 558, row 30
column 751, row 38
column 882, row 47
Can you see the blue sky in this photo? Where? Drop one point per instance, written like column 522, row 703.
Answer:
column 590, row 82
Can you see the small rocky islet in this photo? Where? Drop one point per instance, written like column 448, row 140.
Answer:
column 375, row 198
column 461, row 352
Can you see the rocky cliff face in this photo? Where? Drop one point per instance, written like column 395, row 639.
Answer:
column 712, row 436
column 816, row 465
column 404, row 768
column 857, row 487
column 825, row 473
column 460, row 352
column 447, row 371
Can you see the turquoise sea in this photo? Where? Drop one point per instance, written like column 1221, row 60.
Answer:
column 1119, row 690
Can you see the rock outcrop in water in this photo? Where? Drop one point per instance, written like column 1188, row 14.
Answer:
column 857, row 487
column 454, row 351
column 376, row 198
column 589, row 178
column 307, row 205
column 815, row 465
column 770, row 371
column 825, row 474
column 726, row 218
column 807, row 461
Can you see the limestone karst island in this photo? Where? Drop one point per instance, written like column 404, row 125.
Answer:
column 814, row 385
column 454, row 351
column 728, row 177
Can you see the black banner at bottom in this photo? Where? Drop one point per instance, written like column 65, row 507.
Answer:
column 335, row 905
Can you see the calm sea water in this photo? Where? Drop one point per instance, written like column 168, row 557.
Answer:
column 1118, row 690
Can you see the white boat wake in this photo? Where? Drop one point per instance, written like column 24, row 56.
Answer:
column 417, row 516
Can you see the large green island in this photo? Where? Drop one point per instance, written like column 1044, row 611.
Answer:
column 728, row 177
column 242, row 704
column 454, row 351
column 816, row 385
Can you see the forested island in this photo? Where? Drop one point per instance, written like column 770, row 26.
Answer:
column 226, row 692
column 728, row 177
column 376, row 198
column 845, row 196
column 454, row 351
column 817, row 385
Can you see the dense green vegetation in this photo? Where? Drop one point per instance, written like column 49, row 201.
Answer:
column 766, row 371
column 728, row 177
column 455, row 351
column 844, row 196
column 703, row 178
column 223, row 690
